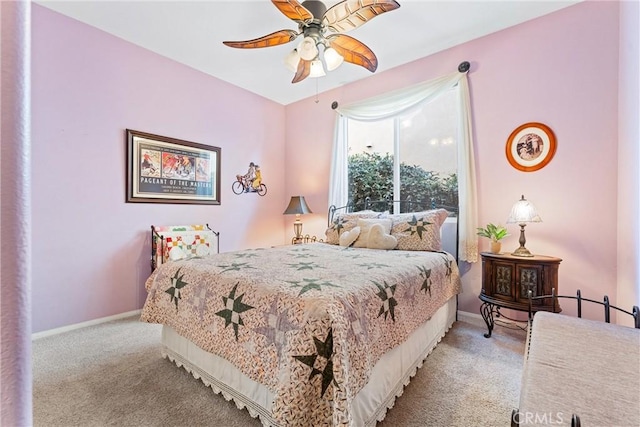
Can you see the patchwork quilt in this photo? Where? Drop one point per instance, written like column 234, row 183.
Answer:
column 307, row 321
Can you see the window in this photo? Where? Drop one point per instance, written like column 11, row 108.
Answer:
column 410, row 157
column 401, row 101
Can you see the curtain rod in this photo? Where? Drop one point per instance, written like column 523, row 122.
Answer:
column 462, row 68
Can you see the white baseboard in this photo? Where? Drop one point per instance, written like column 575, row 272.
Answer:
column 469, row 317
column 68, row 328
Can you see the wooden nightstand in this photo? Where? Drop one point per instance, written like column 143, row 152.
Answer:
column 507, row 280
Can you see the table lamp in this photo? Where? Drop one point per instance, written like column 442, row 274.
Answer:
column 297, row 206
column 523, row 212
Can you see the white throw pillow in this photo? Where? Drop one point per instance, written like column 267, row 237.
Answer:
column 348, row 237
column 365, row 226
column 378, row 239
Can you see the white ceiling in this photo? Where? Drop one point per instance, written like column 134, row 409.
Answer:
column 191, row 32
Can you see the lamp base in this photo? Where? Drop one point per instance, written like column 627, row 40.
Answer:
column 522, row 251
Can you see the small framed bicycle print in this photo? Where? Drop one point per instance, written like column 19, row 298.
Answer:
column 531, row 147
column 169, row 170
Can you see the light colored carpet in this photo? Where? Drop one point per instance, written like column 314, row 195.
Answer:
column 113, row 375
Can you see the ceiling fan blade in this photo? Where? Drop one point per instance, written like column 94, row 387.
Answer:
column 273, row 39
column 353, row 51
column 304, row 69
column 350, row 14
column 293, row 10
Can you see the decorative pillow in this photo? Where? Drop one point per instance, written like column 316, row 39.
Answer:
column 345, row 222
column 348, row 237
column 378, row 239
column 419, row 231
column 365, row 226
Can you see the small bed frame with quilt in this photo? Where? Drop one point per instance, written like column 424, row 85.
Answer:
column 578, row 371
column 312, row 334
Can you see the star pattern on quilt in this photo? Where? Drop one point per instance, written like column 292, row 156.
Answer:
column 410, row 294
column 386, row 294
column 353, row 255
column 412, row 254
column 321, row 362
column 176, row 285
column 246, row 255
column 371, row 265
column 199, row 300
column 358, row 323
column 302, row 255
column 308, row 284
column 304, row 266
column 449, row 266
column 425, row 273
column 235, row 266
column 277, row 324
column 233, row 308
column 300, row 248
column 417, row 226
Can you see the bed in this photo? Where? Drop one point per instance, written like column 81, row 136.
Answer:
column 312, row 334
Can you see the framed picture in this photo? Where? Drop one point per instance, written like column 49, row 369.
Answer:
column 169, row 170
column 531, row 147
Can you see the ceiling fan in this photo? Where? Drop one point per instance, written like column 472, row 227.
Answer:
column 322, row 30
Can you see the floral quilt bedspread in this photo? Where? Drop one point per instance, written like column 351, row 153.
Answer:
column 307, row 321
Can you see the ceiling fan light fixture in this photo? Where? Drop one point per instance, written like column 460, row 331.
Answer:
column 291, row 60
column 317, row 69
column 332, row 58
column 308, row 49
column 317, row 52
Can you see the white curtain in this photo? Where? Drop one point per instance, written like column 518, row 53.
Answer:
column 395, row 103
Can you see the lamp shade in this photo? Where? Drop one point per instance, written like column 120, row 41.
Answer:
column 317, row 70
column 297, row 205
column 308, row 49
column 332, row 58
column 522, row 212
column 292, row 60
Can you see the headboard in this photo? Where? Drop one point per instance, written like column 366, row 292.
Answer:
column 406, row 205
column 176, row 242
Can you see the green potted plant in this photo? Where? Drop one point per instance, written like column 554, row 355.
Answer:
column 495, row 233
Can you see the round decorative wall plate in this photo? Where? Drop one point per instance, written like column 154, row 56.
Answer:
column 531, row 147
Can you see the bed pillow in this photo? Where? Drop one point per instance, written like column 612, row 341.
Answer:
column 365, row 226
column 348, row 237
column 419, row 231
column 378, row 239
column 345, row 222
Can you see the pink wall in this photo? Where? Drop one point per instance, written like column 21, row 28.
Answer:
column 629, row 156
column 88, row 87
column 556, row 70
column 90, row 248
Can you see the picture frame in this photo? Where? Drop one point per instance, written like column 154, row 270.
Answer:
column 530, row 147
column 169, row 170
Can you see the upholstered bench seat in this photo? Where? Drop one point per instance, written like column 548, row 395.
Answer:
column 583, row 367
